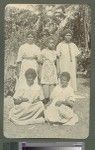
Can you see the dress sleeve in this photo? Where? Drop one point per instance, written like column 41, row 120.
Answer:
column 20, row 54
column 76, row 50
column 38, row 51
column 43, row 54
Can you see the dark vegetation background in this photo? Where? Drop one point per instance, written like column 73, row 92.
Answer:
column 43, row 22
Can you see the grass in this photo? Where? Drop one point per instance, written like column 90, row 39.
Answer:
column 78, row 131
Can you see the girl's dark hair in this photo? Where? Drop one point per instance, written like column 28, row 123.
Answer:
column 67, row 31
column 32, row 72
column 66, row 74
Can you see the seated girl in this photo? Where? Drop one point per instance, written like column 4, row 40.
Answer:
column 28, row 107
column 62, row 99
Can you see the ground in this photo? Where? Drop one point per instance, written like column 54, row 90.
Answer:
column 78, row 131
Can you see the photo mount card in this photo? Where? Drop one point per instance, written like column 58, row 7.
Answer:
column 23, row 23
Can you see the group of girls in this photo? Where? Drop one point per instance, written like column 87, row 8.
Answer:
column 46, row 83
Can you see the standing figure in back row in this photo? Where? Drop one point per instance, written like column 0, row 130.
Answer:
column 68, row 52
column 48, row 71
column 28, row 56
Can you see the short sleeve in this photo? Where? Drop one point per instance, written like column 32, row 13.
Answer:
column 58, row 49
column 20, row 54
column 43, row 52
column 38, row 51
column 41, row 94
column 76, row 50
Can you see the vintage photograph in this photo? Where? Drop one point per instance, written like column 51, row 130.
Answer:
column 47, row 71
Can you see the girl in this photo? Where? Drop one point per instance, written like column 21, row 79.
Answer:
column 48, row 73
column 28, row 55
column 62, row 99
column 68, row 52
column 28, row 107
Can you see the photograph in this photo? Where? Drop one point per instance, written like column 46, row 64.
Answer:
column 47, row 71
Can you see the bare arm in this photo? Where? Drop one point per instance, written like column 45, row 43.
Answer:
column 69, row 103
column 39, row 72
column 17, row 101
column 18, row 69
column 20, row 100
column 58, row 103
column 58, row 66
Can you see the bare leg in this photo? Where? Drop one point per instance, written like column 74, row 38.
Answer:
column 46, row 91
column 51, row 88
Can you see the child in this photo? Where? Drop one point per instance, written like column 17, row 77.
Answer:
column 28, row 106
column 48, row 73
column 61, row 107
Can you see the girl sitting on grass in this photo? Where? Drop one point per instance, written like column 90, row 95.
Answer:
column 62, row 99
column 28, row 107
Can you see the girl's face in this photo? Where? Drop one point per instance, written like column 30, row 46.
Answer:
column 30, row 40
column 30, row 80
column 64, row 82
column 68, row 37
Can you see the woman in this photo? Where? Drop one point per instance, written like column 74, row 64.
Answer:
column 28, row 55
column 28, row 107
column 68, row 52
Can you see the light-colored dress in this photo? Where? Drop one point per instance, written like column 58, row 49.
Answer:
column 49, row 73
column 27, row 55
column 62, row 114
column 28, row 112
column 67, row 60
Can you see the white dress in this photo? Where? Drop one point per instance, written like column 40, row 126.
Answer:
column 28, row 112
column 26, row 55
column 67, row 60
column 62, row 114
column 49, row 73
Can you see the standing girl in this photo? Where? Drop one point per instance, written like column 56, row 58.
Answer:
column 68, row 53
column 28, row 55
column 48, row 73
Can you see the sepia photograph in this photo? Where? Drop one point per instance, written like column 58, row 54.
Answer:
column 47, row 71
